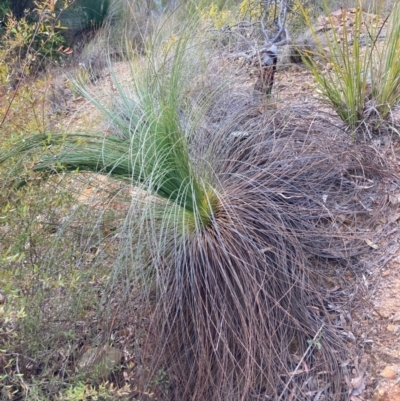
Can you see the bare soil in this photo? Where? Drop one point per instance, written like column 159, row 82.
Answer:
column 376, row 321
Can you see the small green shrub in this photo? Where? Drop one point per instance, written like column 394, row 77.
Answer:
column 216, row 17
column 44, row 289
column 83, row 392
column 30, row 44
column 356, row 74
column 22, row 111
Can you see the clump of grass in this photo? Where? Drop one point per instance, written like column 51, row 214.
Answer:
column 386, row 78
column 228, row 237
column 357, row 74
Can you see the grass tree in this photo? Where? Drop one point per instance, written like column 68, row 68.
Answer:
column 232, row 230
column 356, row 71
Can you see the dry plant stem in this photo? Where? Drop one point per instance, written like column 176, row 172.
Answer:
column 255, row 51
column 300, row 362
column 282, row 14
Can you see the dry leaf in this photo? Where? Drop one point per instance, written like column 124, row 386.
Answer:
column 358, row 384
column 388, row 373
column 396, row 317
column 371, row 244
column 394, row 218
column 394, row 199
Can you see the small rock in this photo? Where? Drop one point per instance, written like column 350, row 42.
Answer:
column 394, row 199
column 393, row 328
column 387, row 394
column 396, row 317
column 385, row 311
column 389, row 373
column 394, row 394
column 386, row 273
column 100, row 361
column 240, row 134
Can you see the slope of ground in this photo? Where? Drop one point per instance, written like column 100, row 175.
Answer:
column 376, row 321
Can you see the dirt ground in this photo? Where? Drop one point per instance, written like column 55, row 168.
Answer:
column 377, row 325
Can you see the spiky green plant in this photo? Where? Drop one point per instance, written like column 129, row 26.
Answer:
column 386, row 78
column 355, row 72
column 229, row 233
